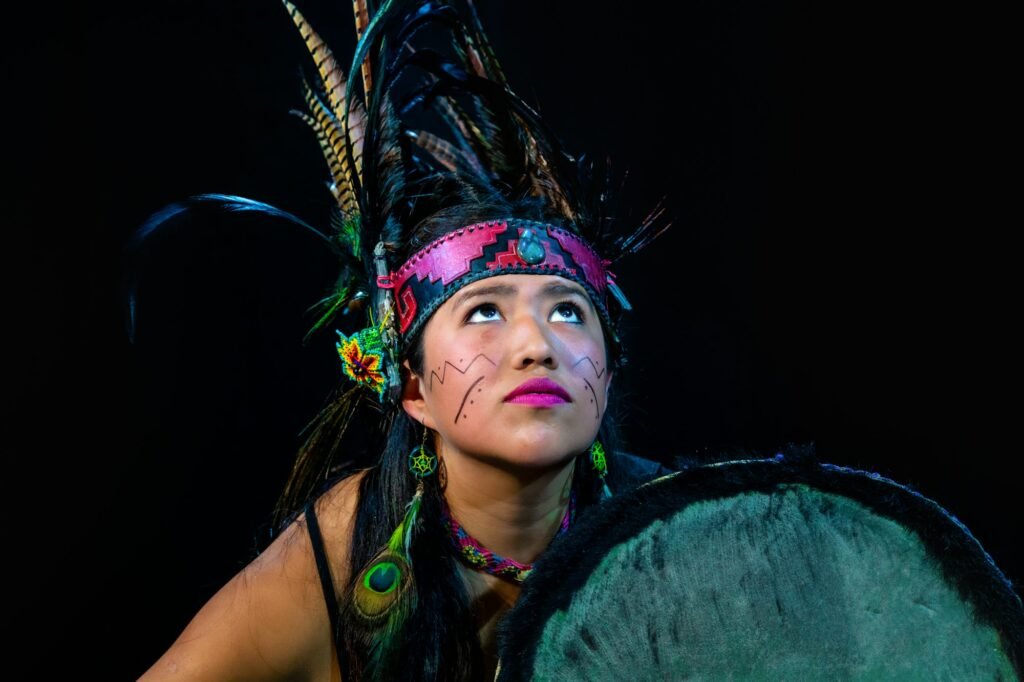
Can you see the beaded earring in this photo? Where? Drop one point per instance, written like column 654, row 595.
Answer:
column 600, row 464
column 422, row 461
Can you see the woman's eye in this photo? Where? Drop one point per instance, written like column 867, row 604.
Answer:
column 483, row 313
column 569, row 310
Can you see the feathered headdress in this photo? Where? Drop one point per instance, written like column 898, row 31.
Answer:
column 417, row 125
column 387, row 175
column 407, row 131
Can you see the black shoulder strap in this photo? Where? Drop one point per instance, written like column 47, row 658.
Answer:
column 327, row 583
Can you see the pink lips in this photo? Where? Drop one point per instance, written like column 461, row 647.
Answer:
column 538, row 392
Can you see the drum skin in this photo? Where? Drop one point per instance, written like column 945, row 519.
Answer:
column 773, row 569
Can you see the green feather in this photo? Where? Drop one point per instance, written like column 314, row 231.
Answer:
column 346, row 232
column 330, row 305
column 382, row 597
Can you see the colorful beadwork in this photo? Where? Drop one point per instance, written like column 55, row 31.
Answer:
column 597, row 459
column 421, row 462
column 362, row 358
column 479, row 557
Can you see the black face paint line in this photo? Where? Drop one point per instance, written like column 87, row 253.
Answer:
column 597, row 373
column 463, row 403
column 447, row 364
column 597, row 407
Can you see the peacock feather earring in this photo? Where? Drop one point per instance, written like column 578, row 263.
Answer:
column 382, row 597
column 600, row 465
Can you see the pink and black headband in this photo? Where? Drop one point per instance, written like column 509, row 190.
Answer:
column 498, row 247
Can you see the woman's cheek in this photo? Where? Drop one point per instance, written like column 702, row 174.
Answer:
column 486, row 336
column 459, row 381
column 590, row 371
column 589, row 360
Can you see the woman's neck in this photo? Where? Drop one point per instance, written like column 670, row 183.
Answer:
column 512, row 513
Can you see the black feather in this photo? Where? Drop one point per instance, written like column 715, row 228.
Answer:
column 173, row 216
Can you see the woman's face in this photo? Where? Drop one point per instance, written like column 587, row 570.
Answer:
column 489, row 338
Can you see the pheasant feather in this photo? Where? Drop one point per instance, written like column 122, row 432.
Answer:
column 329, row 136
column 335, row 86
column 362, row 17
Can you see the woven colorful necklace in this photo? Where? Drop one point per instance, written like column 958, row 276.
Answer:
column 476, row 556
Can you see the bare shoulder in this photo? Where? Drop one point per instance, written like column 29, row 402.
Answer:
column 335, row 514
column 270, row 622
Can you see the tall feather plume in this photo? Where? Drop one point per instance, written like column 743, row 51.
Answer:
column 480, row 59
column 362, row 17
column 489, row 66
column 467, row 133
column 340, row 134
column 369, row 39
column 329, row 135
column 442, row 151
column 506, row 147
column 389, row 178
column 336, row 87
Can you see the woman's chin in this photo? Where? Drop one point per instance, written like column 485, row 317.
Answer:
column 540, row 454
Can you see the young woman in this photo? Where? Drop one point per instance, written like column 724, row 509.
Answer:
column 482, row 372
column 511, row 421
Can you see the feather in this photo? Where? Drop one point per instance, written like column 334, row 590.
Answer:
column 369, row 39
column 491, row 67
column 329, row 306
column 346, row 296
column 326, row 65
column 442, row 151
column 381, row 594
column 329, row 136
column 467, row 133
column 389, row 167
column 347, row 232
column 336, row 87
column 311, row 467
column 142, row 240
column 643, row 236
column 362, row 17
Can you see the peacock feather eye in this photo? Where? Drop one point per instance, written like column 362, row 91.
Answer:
column 380, row 586
column 382, row 578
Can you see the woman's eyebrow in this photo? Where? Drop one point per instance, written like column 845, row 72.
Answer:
column 500, row 290
column 504, row 290
column 556, row 289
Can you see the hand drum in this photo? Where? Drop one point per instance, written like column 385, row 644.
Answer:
column 772, row 569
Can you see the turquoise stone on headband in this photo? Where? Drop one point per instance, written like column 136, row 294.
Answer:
column 529, row 248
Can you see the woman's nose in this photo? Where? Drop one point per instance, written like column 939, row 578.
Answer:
column 531, row 342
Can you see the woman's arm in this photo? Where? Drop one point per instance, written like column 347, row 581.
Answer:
column 269, row 622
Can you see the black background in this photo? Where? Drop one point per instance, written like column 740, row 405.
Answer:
column 837, row 272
